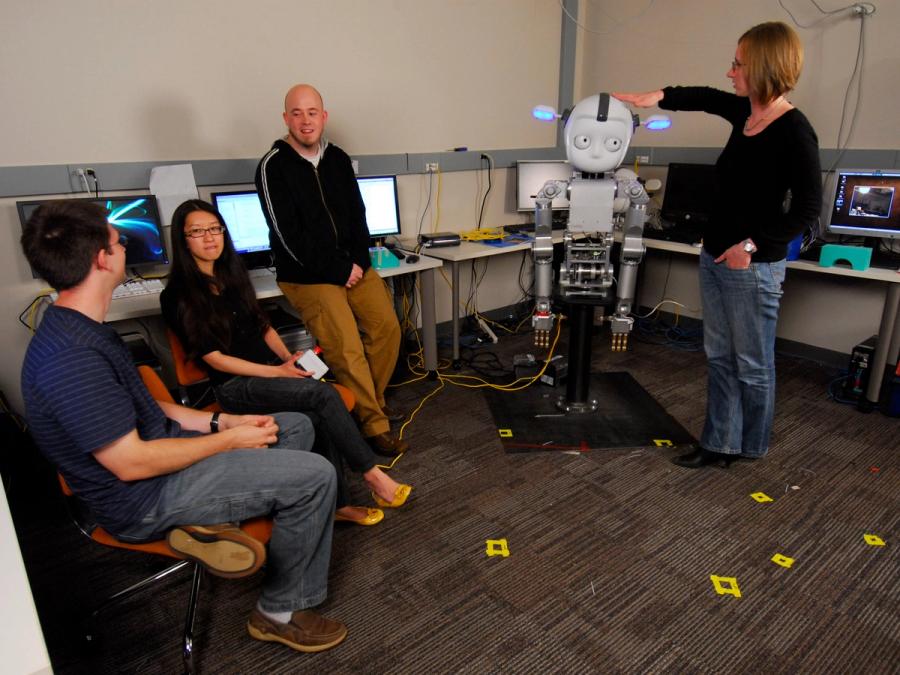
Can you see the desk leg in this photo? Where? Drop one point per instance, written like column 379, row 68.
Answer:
column 454, row 311
column 887, row 343
column 429, row 325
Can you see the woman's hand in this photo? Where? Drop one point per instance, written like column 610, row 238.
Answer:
column 646, row 99
column 288, row 369
column 735, row 257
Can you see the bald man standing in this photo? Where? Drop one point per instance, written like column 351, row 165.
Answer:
column 317, row 222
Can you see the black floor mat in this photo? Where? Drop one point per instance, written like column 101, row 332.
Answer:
column 628, row 417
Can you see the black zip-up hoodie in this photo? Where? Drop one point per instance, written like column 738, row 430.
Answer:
column 316, row 215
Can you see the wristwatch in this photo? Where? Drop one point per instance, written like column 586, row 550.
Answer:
column 214, row 422
column 749, row 246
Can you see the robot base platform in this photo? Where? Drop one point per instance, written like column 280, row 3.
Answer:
column 627, row 417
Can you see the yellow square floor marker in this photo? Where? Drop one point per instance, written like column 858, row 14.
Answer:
column 497, row 547
column 505, row 433
column 873, row 540
column 725, row 585
column 782, row 560
column 762, row 497
column 662, row 442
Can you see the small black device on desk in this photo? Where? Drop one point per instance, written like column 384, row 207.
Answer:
column 438, row 239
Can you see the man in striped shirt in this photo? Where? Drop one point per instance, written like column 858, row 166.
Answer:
column 149, row 469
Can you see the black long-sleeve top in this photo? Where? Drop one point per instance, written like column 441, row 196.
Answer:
column 755, row 173
column 316, row 215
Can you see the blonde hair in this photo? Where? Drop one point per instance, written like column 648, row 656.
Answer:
column 774, row 58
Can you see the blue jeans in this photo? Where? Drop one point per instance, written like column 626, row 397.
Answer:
column 285, row 481
column 336, row 434
column 740, row 313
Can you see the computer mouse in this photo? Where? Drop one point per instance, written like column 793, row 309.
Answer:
column 412, row 258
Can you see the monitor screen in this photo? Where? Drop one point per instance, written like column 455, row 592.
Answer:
column 135, row 216
column 687, row 200
column 530, row 178
column 866, row 203
column 243, row 215
column 379, row 194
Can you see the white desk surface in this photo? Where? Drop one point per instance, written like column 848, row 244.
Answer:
column 469, row 250
column 876, row 273
column 138, row 306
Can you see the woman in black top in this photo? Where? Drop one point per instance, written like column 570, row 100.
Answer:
column 768, row 191
column 210, row 304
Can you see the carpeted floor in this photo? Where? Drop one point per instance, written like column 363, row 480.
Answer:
column 611, row 553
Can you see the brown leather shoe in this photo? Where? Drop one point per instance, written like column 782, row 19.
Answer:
column 307, row 631
column 224, row 550
column 388, row 444
column 392, row 414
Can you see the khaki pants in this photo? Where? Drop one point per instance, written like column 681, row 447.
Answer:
column 360, row 338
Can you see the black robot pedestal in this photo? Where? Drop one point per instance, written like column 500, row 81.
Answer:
column 599, row 410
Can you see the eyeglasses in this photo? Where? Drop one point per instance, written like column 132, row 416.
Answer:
column 198, row 232
column 121, row 241
column 736, row 64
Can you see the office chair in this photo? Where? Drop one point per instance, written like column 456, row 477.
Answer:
column 258, row 528
column 188, row 373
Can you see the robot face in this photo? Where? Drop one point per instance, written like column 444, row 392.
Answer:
column 598, row 145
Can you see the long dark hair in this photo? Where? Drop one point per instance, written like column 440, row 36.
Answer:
column 201, row 318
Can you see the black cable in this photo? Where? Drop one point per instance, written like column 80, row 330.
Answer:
column 490, row 185
column 425, row 210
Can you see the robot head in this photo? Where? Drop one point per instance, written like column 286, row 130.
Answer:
column 598, row 131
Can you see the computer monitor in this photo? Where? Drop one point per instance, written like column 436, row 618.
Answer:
column 247, row 227
column 866, row 203
column 379, row 194
column 135, row 216
column 530, row 178
column 688, row 197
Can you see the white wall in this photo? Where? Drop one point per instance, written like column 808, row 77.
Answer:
column 100, row 81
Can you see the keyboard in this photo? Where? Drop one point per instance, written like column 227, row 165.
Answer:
column 134, row 287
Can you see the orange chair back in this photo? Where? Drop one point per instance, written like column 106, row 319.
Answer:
column 187, row 372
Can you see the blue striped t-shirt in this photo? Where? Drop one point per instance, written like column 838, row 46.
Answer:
column 82, row 392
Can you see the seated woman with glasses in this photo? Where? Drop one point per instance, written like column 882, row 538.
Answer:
column 210, row 304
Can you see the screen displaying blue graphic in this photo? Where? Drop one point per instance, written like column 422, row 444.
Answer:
column 135, row 216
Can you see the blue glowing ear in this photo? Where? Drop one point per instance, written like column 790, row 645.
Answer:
column 657, row 123
column 544, row 113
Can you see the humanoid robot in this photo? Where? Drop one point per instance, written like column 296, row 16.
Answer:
column 597, row 133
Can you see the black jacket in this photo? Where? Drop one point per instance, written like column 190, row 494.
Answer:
column 316, row 215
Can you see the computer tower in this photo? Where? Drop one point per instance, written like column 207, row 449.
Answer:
column 859, row 370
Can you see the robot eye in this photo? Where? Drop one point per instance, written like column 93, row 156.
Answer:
column 613, row 144
column 582, row 142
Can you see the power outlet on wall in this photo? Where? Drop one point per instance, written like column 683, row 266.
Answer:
column 431, row 167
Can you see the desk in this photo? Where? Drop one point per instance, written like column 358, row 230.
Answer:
column 471, row 250
column 135, row 307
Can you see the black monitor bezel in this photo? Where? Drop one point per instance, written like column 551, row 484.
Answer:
column 850, row 230
column 252, row 259
column 152, row 205
column 382, row 236
column 674, row 213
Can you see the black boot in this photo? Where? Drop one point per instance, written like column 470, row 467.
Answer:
column 700, row 457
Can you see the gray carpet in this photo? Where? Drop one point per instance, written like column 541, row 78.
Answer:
column 611, row 553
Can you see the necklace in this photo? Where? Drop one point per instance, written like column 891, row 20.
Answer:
column 750, row 127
